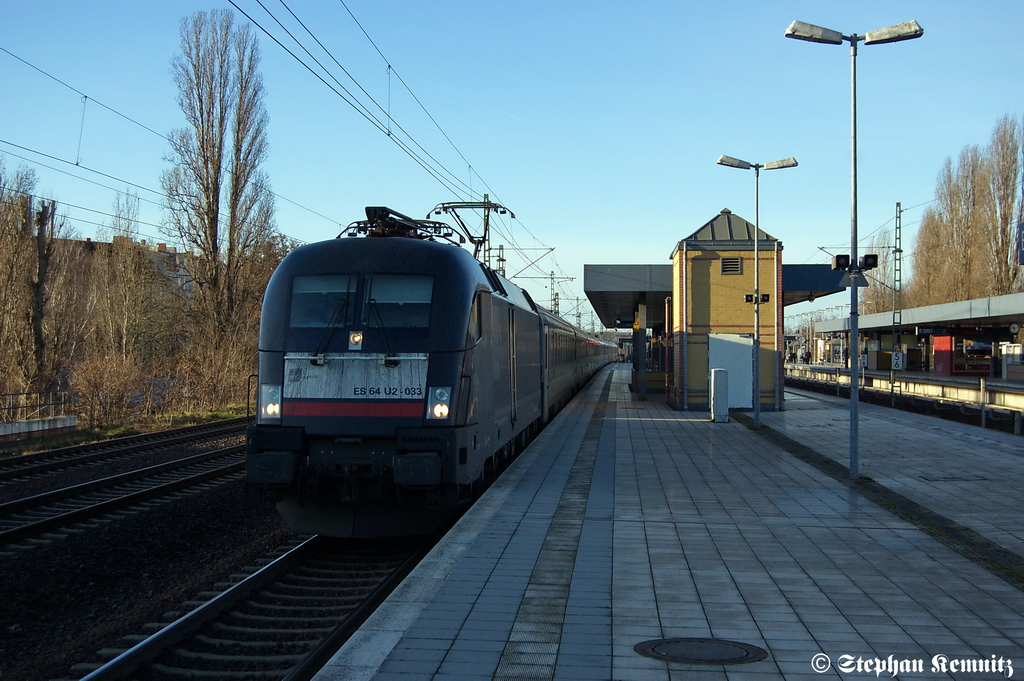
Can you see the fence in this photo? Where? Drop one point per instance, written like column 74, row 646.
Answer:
column 992, row 398
column 32, row 406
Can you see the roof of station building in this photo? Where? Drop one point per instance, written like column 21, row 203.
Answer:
column 728, row 229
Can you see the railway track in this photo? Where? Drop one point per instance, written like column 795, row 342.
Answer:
column 37, row 517
column 283, row 621
column 26, row 465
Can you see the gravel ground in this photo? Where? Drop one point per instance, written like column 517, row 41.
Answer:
column 64, row 600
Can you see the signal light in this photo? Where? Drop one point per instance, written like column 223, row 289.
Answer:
column 869, row 261
column 438, row 402
column 270, row 403
column 841, row 262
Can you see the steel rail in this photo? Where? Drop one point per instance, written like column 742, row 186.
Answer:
column 146, row 651
column 110, row 481
column 14, row 467
column 56, row 522
column 325, row 650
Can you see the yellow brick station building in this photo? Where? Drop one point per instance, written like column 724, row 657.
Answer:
column 694, row 316
column 713, row 314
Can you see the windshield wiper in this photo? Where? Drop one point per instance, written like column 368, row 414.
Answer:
column 390, row 360
column 336, row 321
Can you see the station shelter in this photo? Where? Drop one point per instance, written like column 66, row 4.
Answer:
column 966, row 338
column 697, row 314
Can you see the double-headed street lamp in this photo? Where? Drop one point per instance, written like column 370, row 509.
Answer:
column 891, row 34
column 756, row 361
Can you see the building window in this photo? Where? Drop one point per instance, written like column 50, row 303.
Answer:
column 732, row 265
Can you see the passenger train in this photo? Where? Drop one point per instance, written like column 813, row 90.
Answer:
column 397, row 375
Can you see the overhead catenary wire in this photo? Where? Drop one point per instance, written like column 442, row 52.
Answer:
column 511, row 241
column 65, row 204
column 455, row 184
column 136, row 122
column 79, row 165
column 350, row 99
column 383, row 127
column 130, row 120
column 387, row 112
column 78, row 220
column 99, row 184
column 391, row 69
column 74, row 89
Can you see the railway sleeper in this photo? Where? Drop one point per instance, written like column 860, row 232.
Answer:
column 307, row 644
column 328, row 621
column 314, row 600
column 218, row 674
column 349, row 603
column 271, row 631
column 219, row 657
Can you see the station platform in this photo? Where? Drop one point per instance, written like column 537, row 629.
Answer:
column 720, row 552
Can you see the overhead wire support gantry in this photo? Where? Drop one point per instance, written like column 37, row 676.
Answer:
column 480, row 241
column 554, row 292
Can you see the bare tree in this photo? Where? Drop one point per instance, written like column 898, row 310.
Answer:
column 45, row 221
column 877, row 297
column 221, row 206
column 966, row 246
column 131, row 288
column 130, row 340
column 16, row 349
column 1004, row 159
column 963, row 200
column 930, row 260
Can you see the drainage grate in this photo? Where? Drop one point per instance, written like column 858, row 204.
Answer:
column 700, row 651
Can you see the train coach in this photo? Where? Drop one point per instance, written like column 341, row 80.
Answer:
column 397, row 374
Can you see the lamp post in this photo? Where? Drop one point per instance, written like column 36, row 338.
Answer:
column 756, row 361
column 891, row 34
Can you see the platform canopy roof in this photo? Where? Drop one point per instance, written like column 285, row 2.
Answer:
column 615, row 290
column 807, row 283
column 997, row 311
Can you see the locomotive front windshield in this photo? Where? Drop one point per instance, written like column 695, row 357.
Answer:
column 400, row 301
column 322, row 301
column 393, row 310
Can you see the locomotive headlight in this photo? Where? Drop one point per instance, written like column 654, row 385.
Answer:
column 438, row 403
column 355, row 340
column 270, row 403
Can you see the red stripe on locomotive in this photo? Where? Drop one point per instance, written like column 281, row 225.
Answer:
column 394, row 409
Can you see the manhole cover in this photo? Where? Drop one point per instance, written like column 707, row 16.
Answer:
column 700, row 651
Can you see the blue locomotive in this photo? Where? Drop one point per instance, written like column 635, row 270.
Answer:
column 397, row 375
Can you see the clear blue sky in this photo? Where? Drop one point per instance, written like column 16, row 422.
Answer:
column 597, row 123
